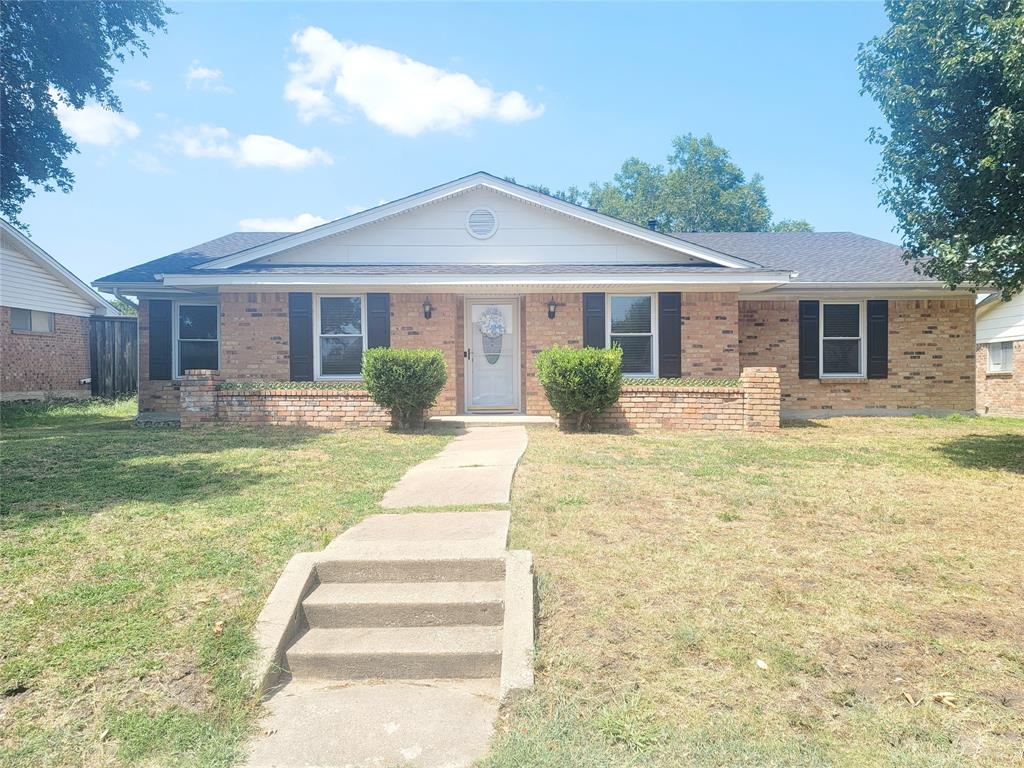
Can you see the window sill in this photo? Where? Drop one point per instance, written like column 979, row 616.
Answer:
column 843, row 380
column 20, row 332
column 999, row 374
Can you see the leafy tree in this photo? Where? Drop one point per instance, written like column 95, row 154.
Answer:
column 125, row 307
column 58, row 51
column 949, row 77
column 792, row 225
column 572, row 194
column 700, row 189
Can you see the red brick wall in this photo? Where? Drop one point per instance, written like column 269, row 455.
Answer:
column 710, row 336
column 1001, row 393
column 931, row 359
column 541, row 332
column 254, row 336
column 34, row 365
column 153, row 395
column 410, row 330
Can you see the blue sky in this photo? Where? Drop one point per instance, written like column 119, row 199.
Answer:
column 250, row 111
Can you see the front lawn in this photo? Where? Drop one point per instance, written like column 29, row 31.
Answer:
column 844, row 593
column 134, row 562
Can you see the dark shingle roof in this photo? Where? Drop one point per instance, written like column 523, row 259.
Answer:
column 819, row 257
column 837, row 257
column 184, row 260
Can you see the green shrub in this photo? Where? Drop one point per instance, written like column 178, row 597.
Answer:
column 580, row 383
column 405, row 381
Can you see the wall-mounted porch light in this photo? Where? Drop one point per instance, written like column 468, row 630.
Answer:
column 428, row 309
column 552, row 306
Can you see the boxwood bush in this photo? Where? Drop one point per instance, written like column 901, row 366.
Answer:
column 405, row 381
column 580, row 383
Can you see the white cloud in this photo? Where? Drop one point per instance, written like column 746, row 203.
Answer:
column 139, row 85
column 206, row 78
column 94, row 124
column 148, row 162
column 210, row 141
column 281, row 223
column 401, row 94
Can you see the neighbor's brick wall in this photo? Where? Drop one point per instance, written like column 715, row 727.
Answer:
column 34, row 365
column 710, row 335
column 1000, row 393
column 254, row 336
column 153, row 395
column 931, row 359
column 409, row 330
column 541, row 332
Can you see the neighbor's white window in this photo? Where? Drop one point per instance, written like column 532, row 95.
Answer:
column 842, row 339
column 31, row 320
column 196, row 337
column 631, row 326
column 341, row 324
column 1000, row 357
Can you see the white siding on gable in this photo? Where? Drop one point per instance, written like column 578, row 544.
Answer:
column 437, row 234
column 1003, row 321
column 26, row 284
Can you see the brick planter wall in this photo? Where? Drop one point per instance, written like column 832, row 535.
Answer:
column 753, row 406
column 203, row 403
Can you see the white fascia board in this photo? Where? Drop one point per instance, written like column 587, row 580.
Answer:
column 460, row 186
column 930, row 290
column 412, row 280
column 59, row 270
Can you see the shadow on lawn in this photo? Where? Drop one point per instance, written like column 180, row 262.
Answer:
column 89, row 467
column 1003, row 452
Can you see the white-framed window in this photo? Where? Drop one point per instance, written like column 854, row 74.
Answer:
column 842, row 337
column 631, row 324
column 340, row 323
column 32, row 320
column 1000, row 357
column 196, row 336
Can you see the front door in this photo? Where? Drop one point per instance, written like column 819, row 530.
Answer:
column 492, row 355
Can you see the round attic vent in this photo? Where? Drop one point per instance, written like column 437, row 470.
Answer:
column 481, row 223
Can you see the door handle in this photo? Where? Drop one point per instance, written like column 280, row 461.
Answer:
column 468, row 354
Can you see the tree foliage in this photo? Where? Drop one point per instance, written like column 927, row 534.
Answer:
column 62, row 51
column 792, row 225
column 949, row 77
column 699, row 189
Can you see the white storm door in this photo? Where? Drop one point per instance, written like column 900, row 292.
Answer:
column 492, row 363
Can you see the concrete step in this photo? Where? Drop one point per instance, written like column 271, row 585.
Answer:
column 403, row 604
column 397, row 653
column 411, row 569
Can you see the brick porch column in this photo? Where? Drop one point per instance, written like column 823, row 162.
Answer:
column 199, row 397
column 762, row 399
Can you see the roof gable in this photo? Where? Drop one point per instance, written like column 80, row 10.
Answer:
column 480, row 181
column 15, row 242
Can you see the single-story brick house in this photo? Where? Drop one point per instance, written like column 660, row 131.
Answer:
column 44, row 323
column 491, row 273
column 1000, row 356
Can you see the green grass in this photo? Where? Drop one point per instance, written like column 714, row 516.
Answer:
column 861, row 561
column 133, row 564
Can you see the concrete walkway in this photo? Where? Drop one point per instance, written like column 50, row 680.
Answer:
column 474, row 468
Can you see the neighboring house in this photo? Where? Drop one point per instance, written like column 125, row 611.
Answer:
column 491, row 273
column 1001, row 355
column 44, row 323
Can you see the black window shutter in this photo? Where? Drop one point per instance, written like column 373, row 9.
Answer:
column 300, row 336
column 160, row 340
column 809, row 329
column 593, row 320
column 878, row 339
column 378, row 320
column 670, row 363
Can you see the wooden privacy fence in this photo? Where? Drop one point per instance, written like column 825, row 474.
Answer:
column 114, row 355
